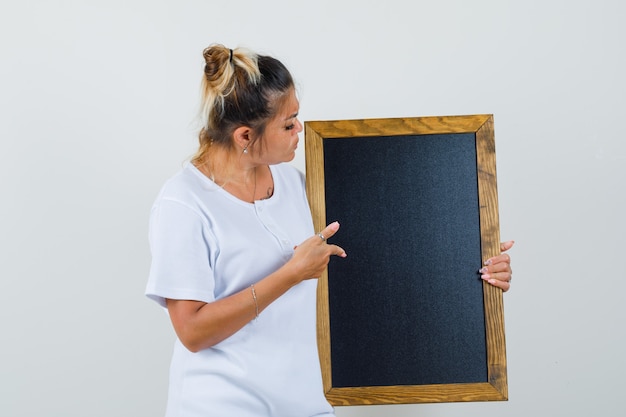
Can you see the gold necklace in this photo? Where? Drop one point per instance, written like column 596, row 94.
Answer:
column 254, row 189
column 211, row 176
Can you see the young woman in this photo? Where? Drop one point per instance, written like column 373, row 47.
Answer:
column 235, row 255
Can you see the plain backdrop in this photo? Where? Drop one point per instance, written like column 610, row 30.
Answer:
column 97, row 109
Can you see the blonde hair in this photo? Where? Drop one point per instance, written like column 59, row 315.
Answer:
column 239, row 88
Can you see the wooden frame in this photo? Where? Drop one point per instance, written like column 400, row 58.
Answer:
column 494, row 388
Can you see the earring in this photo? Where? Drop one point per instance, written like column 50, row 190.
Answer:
column 245, row 150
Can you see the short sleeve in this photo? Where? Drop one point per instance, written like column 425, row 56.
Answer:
column 180, row 243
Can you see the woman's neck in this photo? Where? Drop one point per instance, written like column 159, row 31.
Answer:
column 235, row 173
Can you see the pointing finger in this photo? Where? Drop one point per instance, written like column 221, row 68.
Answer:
column 329, row 231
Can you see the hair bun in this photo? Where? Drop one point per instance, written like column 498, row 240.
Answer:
column 215, row 57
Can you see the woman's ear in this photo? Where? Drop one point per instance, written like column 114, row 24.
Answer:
column 242, row 138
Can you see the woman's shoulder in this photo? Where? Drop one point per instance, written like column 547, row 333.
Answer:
column 185, row 185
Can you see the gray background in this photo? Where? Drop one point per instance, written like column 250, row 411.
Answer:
column 97, row 108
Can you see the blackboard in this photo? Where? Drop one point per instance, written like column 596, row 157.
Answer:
column 405, row 318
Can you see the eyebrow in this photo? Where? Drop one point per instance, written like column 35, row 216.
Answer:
column 292, row 116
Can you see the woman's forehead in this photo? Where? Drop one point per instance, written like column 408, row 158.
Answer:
column 290, row 106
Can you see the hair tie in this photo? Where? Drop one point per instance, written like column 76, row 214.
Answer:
column 230, row 59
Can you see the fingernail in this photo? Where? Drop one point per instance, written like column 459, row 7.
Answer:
column 488, row 262
column 485, row 277
column 488, row 279
column 483, row 270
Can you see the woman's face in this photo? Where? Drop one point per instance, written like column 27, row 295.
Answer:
column 280, row 138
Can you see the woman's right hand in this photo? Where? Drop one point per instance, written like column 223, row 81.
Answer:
column 311, row 257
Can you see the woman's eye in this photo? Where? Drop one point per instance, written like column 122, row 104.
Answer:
column 290, row 127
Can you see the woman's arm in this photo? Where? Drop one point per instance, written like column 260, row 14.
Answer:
column 200, row 325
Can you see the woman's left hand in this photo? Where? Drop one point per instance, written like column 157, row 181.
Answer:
column 497, row 270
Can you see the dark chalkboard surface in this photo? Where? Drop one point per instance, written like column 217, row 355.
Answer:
column 406, row 318
column 414, row 245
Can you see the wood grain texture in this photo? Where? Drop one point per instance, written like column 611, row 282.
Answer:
column 397, row 126
column 482, row 125
column 411, row 394
column 490, row 242
column 314, row 152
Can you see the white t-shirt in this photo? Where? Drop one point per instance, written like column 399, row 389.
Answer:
column 206, row 244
